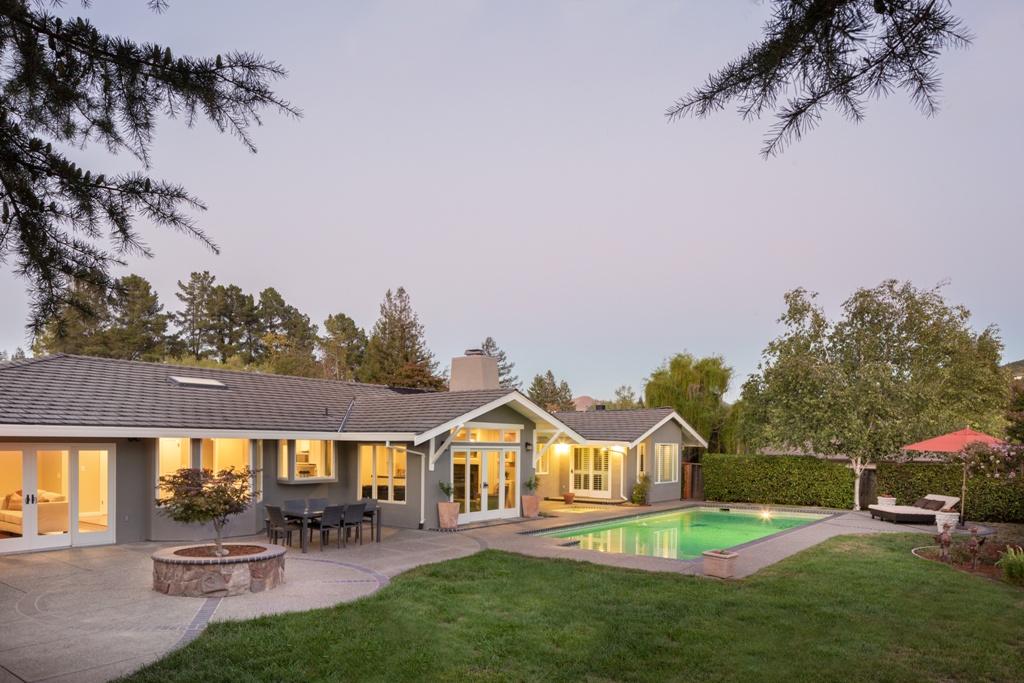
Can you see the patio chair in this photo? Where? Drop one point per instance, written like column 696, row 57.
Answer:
column 298, row 505
column 353, row 519
column 331, row 519
column 280, row 526
column 371, row 504
column 318, row 503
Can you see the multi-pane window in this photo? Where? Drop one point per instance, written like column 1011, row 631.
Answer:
column 487, row 435
column 667, row 465
column 172, row 455
column 641, row 459
column 305, row 460
column 382, row 472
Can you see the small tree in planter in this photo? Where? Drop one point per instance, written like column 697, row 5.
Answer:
column 447, row 511
column 200, row 496
column 531, row 502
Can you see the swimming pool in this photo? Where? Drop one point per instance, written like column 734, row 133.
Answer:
column 683, row 534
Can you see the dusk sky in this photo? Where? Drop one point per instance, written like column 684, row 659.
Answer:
column 510, row 165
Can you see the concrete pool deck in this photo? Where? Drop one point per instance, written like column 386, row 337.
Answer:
column 90, row 614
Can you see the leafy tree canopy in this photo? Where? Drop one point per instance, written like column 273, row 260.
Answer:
column 695, row 387
column 65, row 84
column 551, row 394
column 832, row 53
column 901, row 365
column 625, row 399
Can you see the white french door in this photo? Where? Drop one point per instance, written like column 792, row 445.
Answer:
column 54, row 496
column 591, row 472
column 486, row 483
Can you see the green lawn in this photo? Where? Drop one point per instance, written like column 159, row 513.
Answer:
column 852, row 609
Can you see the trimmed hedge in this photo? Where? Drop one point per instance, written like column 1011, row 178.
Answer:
column 987, row 501
column 777, row 480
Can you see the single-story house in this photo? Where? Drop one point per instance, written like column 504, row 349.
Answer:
column 84, row 441
column 620, row 447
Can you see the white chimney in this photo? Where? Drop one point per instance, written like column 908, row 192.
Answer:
column 474, row 371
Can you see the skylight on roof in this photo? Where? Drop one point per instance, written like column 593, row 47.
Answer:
column 196, row 382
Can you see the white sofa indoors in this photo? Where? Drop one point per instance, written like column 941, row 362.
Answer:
column 52, row 513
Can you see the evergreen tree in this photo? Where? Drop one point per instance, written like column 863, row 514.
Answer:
column 65, row 85
column 550, row 394
column 232, row 315
column 289, row 340
column 19, row 354
column 138, row 329
column 397, row 353
column 342, row 348
column 625, row 399
column 80, row 328
column 840, row 53
column 194, row 320
column 696, row 389
column 505, row 368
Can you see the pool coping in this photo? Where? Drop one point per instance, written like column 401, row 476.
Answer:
column 825, row 513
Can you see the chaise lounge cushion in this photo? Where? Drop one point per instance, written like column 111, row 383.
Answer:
column 935, row 505
column 921, row 503
column 911, row 514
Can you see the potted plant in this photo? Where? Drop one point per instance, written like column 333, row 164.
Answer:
column 568, row 497
column 200, row 496
column 720, row 563
column 886, row 499
column 447, row 511
column 531, row 501
column 946, row 516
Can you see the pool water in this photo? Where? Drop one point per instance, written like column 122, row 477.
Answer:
column 684, row 534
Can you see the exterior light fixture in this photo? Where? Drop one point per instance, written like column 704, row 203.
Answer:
column 528, row 446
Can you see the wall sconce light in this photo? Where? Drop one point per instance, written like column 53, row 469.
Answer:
column 529, row 446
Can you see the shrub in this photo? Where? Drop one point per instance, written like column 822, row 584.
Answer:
column 1012, row 563
column 641, row 489
column 777, row 480
column 988, row 500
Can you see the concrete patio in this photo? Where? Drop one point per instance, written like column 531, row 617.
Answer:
column 89, row 614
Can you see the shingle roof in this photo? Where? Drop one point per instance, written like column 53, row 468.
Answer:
column 613, row 425
column 83, row 391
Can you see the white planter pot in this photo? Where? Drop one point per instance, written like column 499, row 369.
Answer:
column 721, row 564
column 887, row 501
column 943, row 518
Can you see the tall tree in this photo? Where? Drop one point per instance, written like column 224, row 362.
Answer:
column 65, row 84
column 696, row 388
column 900, row 366
column 79, row 329
column 551, row 394
column 505, row 368
column 232, row 315
column 1015, row 413
column 832, row 53
column 342, row 348
column 397, row 353
column 194, row 320
column 625, row 399
column 138, row 329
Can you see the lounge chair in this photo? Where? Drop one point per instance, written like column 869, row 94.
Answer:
column 912, row 514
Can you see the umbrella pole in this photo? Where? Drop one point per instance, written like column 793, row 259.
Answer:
column 963, row 498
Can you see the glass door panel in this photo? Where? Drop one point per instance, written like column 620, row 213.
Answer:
column 474, row 482
column 12, row 489
column 511, row 483
column 93, row 475
column 493, row 485
column 459, row 480
column 53, row 506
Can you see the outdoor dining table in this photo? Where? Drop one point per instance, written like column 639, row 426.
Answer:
column 374, row 512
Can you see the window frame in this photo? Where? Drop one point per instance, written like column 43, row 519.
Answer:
column 658, row 455
column 289, row 459
column 390, row 474
column 641, row 459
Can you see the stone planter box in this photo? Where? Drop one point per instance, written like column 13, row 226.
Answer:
column 217, row 577
column 720, row 563
column 887, row 501
column 950, row 518
column 531, row 505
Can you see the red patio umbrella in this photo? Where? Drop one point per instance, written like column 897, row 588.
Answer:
column 954, row 442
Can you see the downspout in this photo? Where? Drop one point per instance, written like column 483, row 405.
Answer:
column 423, row 488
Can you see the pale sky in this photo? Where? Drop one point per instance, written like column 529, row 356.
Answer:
column 510, row 165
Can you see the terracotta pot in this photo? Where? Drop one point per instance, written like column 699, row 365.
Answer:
column 531, row 505
column 720, row 563
column 568, row 498
column 448, row 515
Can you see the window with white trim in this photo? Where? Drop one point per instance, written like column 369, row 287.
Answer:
column 382, row 472
column 304, row 461
column 667, row 462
